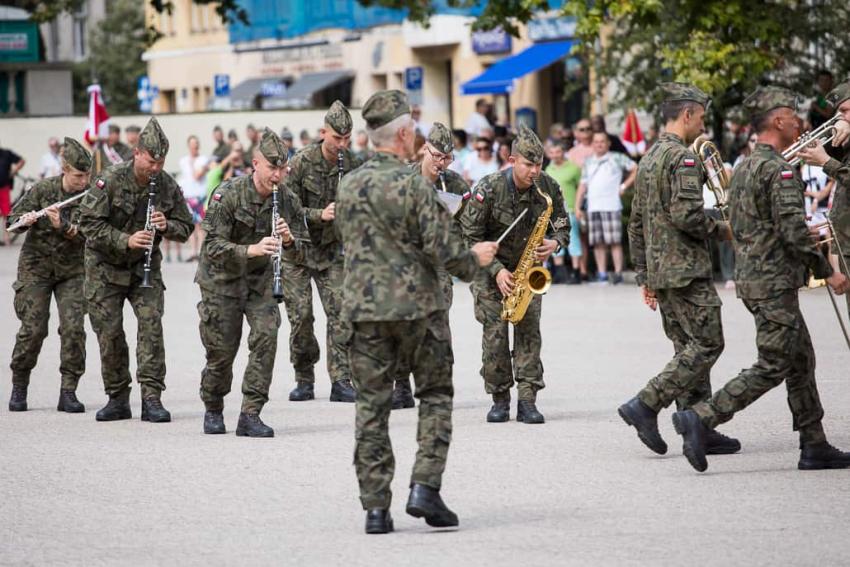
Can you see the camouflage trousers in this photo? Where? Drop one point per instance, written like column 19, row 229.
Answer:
column 221, row 333
column 303, row 346
column 498, row 361
column 32, row 306
column 785, row 352
column 375, row 351
column 691, row 319
column 105, row 302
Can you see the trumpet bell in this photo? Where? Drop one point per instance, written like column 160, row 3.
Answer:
column 539, row 280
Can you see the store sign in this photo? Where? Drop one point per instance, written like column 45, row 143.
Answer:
column 18, row 41
column 492, row 41
column 549, row 29
column 14, row 42
column 273, row 89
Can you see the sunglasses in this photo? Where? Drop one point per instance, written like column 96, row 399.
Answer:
column 583, row 129
column 482, row 149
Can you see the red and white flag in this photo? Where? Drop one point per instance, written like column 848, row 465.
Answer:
column 97, row 126
column 632, row 135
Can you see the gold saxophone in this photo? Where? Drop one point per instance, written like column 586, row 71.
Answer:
column 530, row 278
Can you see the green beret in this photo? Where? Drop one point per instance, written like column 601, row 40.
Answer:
column 441, row 138
column 676, row 92
column 273, row 148
column 765, row 99
column 152, row 139
column 528, row 145
column 839, row 94
column 76, row 155
column 339, row 119
column 383, row 107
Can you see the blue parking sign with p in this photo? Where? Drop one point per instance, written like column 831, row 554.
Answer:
column 413, row 79
column 222, row 85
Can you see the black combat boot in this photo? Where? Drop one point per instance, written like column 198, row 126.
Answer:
column 18, row 400
column 379, row 521
column 153, row 411
column 693, row 432
column 250, row 425
column 559, row 274
column 501, row 410
column 526, row 412
column 69, row 403
column 214, row 422
column 402, row 395
column 302, row 392
column 343, row 391
column 645, row 420
column 718, row 444
column 818, row 456
column 118, row 407
column 425, row 502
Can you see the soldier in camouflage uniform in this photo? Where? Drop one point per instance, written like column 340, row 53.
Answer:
column 396, row 236
column 112, row 218
column 772, row 251
column 434, row 168
column 668, row 236
column 235, row 276
column 499, row 199
column 51, row 264
column 313, row 176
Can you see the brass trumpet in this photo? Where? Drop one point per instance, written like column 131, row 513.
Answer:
column 823, row 134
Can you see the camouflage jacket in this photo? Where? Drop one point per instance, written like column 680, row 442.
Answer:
column 49, row 253
column 839, row 169
column 314, row 181
column 772, row 243
column 396, row 234
column 497, row 203
column 114, row 209
column 668, row 228
column 238, row 216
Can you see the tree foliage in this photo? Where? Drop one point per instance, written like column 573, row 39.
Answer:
column 46, row 10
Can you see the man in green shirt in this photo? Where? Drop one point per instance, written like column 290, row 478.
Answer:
column 568, row 175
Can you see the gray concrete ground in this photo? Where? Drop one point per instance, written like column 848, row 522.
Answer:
column 579, row 490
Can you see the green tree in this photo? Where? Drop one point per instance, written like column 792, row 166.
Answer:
column 46, row 10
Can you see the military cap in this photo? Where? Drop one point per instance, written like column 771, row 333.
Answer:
column 528, row 145
column 153, row 140
column 76, row 155
column 839, row 94
column 678, row 92
column 383, row 107
column 441, row 138
column 273, row 148
column 339, row 119
column 765, row 99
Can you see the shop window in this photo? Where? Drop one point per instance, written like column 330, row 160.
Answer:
column 79, row 32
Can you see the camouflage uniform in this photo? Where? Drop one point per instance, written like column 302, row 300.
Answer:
column 496, row 204
column 233, row 285
column 314, row 181
column 839, row 169
column 114, row 209
column 668, row 232
column 772, row 251
column 51, row 264
column 395, row 236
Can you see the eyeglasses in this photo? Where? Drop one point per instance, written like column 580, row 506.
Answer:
column 440, row 158
column 583, row 129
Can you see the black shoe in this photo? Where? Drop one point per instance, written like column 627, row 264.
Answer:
column 18, row 400
column 69, row 403
column 500, row 412
column 214, row 423
column 574, row 279
column 153, row 411
column 343, row 391
column 819, row 456
column 302, row 392
column 718, row 444
column 617, row 279
column 402, row 395
column 115, row 409
column 526, row 412
column 559, row 274
column 379, row 521
column 693, row 432
column 250, row 425
column 425, row 502
column 641, row 417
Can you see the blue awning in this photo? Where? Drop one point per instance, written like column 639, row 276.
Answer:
column 499, row 78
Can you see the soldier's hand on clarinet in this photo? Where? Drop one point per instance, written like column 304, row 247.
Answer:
column 52, row 213
column 485, row 252
column 265, row 247
column 842, row 133
column 814, row 154
column 140, row 240
column 649, row 297
column 505, row 282
column 838, row 282
column 159, row 221
column 284, row 232
column 29, row 219
column 329, row 212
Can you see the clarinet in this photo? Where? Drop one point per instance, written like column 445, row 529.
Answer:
column 442, row 175
column 149, row 227
column 277, row 284
column 339, row 158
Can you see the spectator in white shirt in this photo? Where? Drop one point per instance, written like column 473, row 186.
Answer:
column 478, row 122
column 604, row 178
column 480, row 162
column 51, row 163
column 193, row 181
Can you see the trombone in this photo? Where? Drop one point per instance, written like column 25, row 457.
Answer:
column 824, row 134
column 842, row 261
column 717, row 180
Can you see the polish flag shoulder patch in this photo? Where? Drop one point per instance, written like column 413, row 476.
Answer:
column 466, row 196
column 479, row 197
column 689, row 162
column 100, row 183
column 786, row 174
